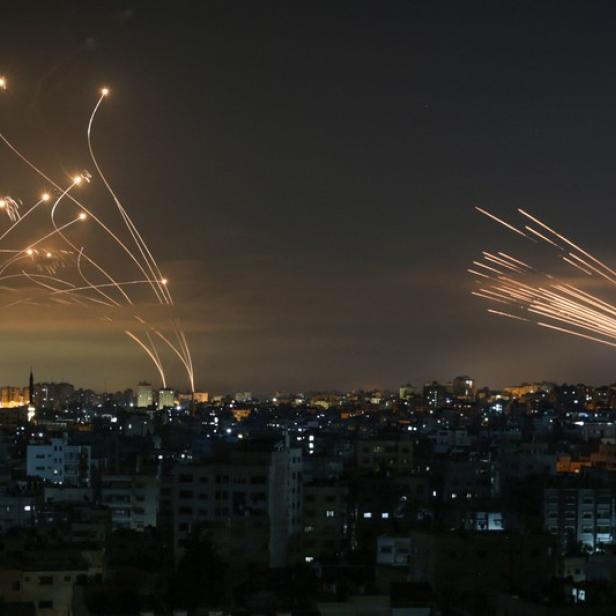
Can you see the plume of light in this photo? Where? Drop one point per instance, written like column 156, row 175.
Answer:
column 563, row 304
column 50, row 260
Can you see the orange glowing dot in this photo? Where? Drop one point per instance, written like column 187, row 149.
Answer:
column 48, row 255
column 45, row 197
column 77, row 179
column 2, row 203
column 105, row 91
column 30, row 252
column 82, row 216
column 164, row 281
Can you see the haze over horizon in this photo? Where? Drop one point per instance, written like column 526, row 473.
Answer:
column 306, row 176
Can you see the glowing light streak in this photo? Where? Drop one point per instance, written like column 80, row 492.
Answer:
column 502, row 222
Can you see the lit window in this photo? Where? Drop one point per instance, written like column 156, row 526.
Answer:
column 367, row 515
column 385, row 515
column 329, row 513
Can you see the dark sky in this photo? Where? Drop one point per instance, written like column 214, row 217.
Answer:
column 306, row 173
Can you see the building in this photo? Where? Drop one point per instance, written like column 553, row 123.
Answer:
column 13, row 417
column 464, row 564
column 434, row 395
column 145, row 395
column 580, row 516
column 11, row 397
column 200, row 397
column 464, row 387
column 526, row 389
column 393, row 551
column 407, row 392
column 47, row 578
column 166, row 399
column 243, row 396
column 17, row 510
column 248, row 500
column 53, row 396
column 385, row 453
column 326, row 520
column 56, row 461
column 132, row 498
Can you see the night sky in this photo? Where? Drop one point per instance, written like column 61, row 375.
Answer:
column 305, row 173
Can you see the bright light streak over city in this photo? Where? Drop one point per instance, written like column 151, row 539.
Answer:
column 535, row 296
column 94, row 284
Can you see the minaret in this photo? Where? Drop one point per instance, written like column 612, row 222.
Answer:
column 31, row 390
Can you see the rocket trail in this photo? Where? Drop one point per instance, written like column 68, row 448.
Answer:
column 100, row 284
column 532, row 300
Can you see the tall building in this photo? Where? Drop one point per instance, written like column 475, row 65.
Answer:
column 166, row 398
column 464, row 387
column 434, row 395
column 53, row 395
column 11, row 397
column 57, row 461
column 132, row 498
column 243, row 396
column 145, row 395
column 407, row 392
column 248, row 501
column 580, row 516
column 327, row 515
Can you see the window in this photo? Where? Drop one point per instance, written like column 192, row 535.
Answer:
column 329, row 513
column 367, row 515
column 45, row 580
